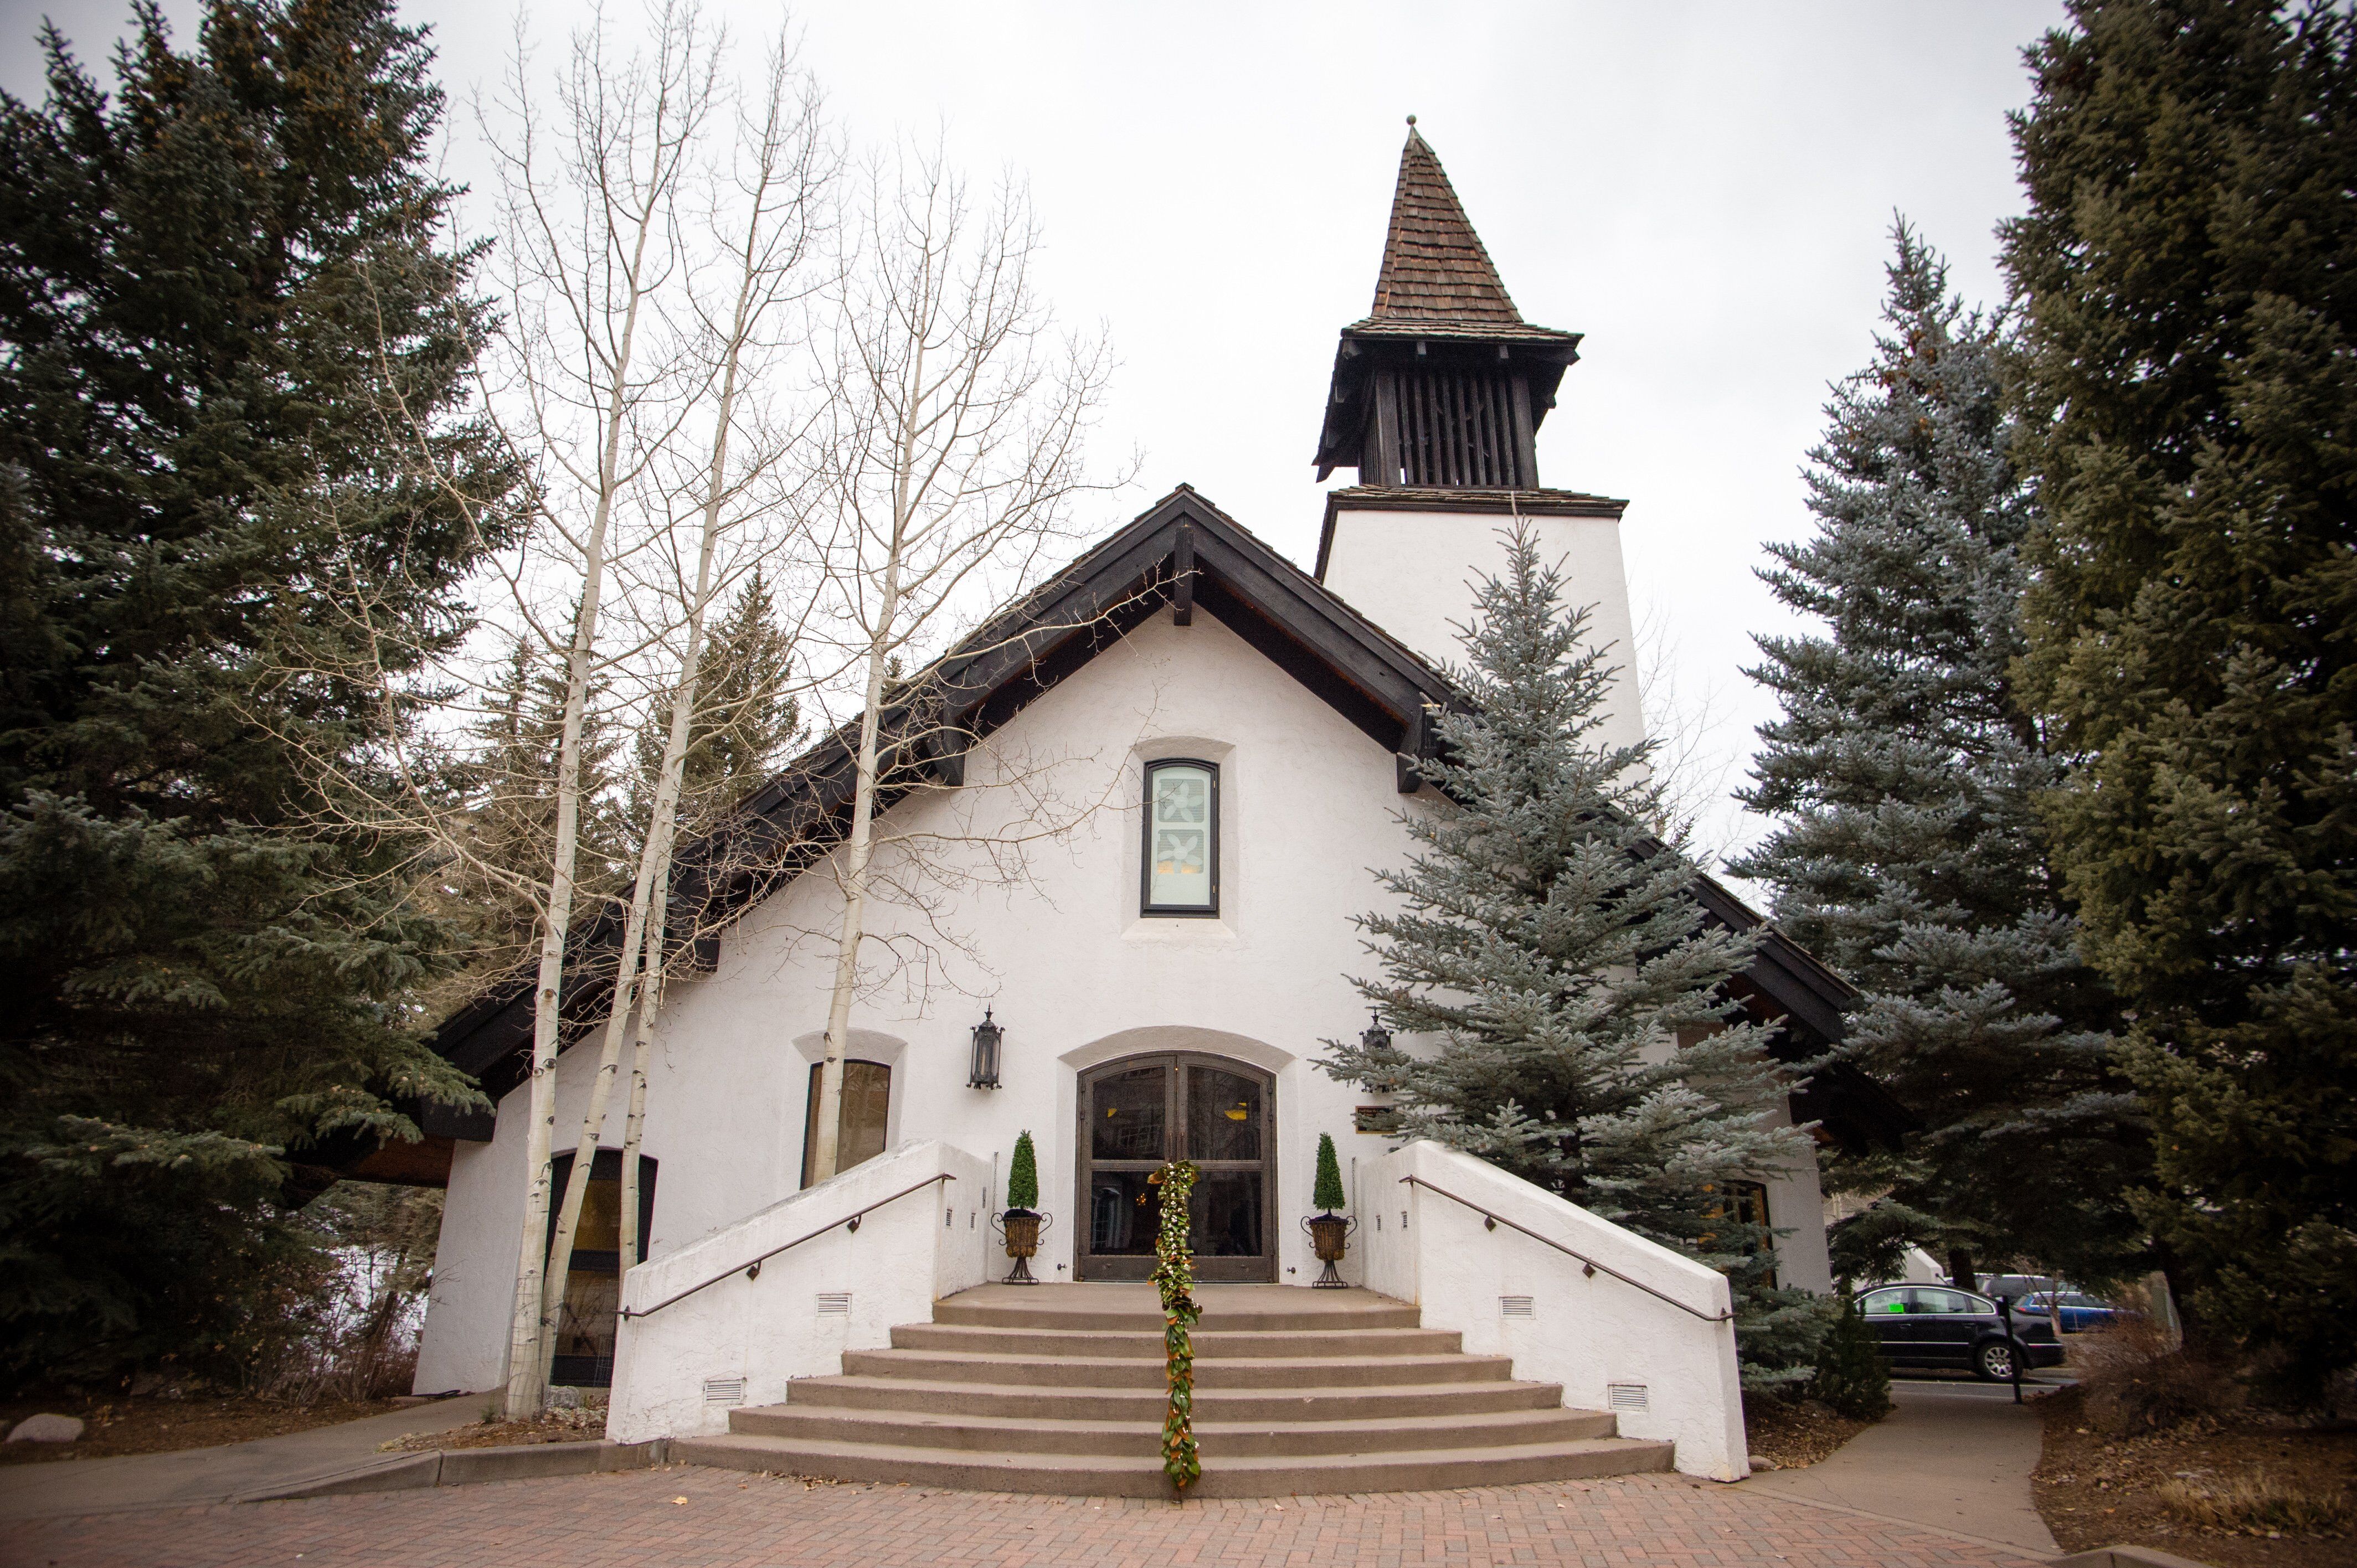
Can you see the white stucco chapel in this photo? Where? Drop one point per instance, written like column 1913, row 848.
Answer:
column 1226, row 743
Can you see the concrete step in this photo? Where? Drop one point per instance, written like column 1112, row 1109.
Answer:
column 1240, row 1372
column 1240, row 1476
column 1038, row 1402
column 968, row 1340
column 1142, row 1437
column 1050, row 1306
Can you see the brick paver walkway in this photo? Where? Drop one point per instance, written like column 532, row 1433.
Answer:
column 636, row 1519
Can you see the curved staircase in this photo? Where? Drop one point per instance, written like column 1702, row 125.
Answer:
column 1059, row 1388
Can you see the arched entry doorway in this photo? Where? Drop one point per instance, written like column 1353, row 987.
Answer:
column 1139, row 1111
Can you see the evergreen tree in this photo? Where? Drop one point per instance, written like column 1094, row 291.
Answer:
column 1023, row 1176
column 1908, row 853
column 2188, row 269
column 212, row 287
column 1851, row 1374
column 1553, row 954
column 747, row 719
column 1327, row 1195
column 507, row 782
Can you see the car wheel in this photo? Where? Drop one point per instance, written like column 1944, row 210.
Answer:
column 1993, row 1362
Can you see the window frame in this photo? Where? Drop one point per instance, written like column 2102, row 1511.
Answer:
column 1146, row 907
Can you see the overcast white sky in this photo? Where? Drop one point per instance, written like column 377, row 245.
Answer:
column 1703, row 189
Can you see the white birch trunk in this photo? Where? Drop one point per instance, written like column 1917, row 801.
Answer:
column 755, row 290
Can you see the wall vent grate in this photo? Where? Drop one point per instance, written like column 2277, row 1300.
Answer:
column 835, row 1303
column 1626, row 1396
column 1517, row 1306
column 723, row 1390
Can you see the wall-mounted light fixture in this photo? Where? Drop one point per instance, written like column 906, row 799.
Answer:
column 986, row 1036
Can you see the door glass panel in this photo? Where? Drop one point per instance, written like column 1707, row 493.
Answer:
column 1223, row 1115
column 1224, row 1216
column 1127, row 1115
column 1119, row 1224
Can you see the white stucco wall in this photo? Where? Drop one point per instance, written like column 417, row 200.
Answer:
column 1414, row 574
column 1076, row 976
column 1588, row 1331
column 910, row 1248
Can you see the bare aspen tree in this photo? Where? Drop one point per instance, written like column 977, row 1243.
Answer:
column 762, row 238
column 588, row 226
column 958, row 413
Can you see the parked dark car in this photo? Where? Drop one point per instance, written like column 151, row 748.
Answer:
column 1931, row 1326
column 2079, row 1312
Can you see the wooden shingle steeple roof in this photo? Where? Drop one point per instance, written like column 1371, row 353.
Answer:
column 1443, row 383
column 1434, row 266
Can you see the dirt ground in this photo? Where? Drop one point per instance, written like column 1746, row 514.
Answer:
column 1796, row 1434
column 152, row 1425
column 557, row 1426
column 2099, row 1491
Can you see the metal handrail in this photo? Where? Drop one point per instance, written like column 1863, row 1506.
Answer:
column 752, row 1271
column 1497, row 1219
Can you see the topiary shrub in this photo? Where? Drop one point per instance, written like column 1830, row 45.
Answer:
column 1851, row 1375
column 1023, row 1176
column 1329, row 1195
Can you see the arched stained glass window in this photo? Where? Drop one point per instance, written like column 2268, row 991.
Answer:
column 1182, row 838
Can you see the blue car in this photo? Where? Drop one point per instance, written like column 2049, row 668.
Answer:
column 2078, row 1312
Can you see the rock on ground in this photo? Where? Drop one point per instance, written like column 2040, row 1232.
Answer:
column 45, row 1429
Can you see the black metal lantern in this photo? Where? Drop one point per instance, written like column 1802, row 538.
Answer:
column 1376, row 1041
column 987, row 1036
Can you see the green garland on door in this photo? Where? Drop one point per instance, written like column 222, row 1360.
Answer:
column 1174, row 1276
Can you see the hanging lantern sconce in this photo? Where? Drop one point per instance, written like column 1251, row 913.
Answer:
column 986, row 1036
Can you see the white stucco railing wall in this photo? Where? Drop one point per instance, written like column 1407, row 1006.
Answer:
column 1589, row 1332
column 674, row 1369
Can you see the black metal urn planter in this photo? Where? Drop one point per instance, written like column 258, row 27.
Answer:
column 1020, row 1226
column 1330, row 1233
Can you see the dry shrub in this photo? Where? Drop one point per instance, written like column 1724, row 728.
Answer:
column 2259, row 1503
column 2135, row 1381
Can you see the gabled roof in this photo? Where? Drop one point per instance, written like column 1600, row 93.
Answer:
column 1183, row 552
column 1435, row 267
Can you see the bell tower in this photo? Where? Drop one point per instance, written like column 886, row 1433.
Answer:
column 1437, row 400
column 1444, row 385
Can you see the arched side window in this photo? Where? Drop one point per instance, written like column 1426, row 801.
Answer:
column 1181, row 859
column 584, row 1356
column 865, row 1119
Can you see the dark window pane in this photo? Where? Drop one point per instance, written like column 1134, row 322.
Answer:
column 1118, row 1223
column 601, row 1228
column 1126, row 1113
column 866, row 1107
column 861, row 1125
column 584, row 1324
column 1223, row 1115
column 1224, row 1217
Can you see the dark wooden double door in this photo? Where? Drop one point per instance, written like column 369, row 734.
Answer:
column 1141, row 1112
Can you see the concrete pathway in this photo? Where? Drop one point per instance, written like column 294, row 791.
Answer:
column 1953, row 1456
column 688, row 1517
column 72, row 1486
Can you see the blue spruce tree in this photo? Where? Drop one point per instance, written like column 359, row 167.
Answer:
column 1551, row 950
column 1904, row 774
